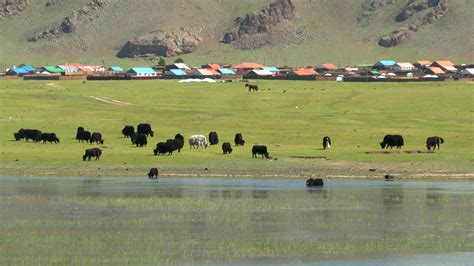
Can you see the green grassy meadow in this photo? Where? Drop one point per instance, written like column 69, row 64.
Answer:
column 290, row 117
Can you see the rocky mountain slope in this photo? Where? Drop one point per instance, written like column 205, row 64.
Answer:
column 12, row 7
column 276, row 31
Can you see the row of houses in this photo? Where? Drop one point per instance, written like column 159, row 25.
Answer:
column 380, row 69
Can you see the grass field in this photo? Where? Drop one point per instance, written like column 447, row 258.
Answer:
column 289, row 117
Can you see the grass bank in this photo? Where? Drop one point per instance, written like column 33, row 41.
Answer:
column 290, row 117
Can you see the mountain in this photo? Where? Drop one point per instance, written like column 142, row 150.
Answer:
column 274, row 32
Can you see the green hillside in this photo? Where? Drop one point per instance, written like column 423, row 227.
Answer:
column 330, row 32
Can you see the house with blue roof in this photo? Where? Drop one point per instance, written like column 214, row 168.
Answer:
column 141, row 72
column 17, row 71
column 29, row 68
column 274, row 70
column 115, row 68
column 384, row 64
column 226, row 71
column 175, row 73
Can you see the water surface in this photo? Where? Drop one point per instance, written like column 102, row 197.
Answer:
column 234, row 222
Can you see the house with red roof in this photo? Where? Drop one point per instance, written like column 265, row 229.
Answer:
column 247, row 66
column 447, row 66
column 422, row 64
column 244, row 68
column 435, row 70
column 303, row 73
column 211, row 66
column 326, row 67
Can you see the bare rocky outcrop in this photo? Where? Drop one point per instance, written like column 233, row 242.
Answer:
column 369, row 7
column 70, row 23
column 414, row 7
column 260, row 21
column 168, row 43
column 12, row 7
column 402, row 34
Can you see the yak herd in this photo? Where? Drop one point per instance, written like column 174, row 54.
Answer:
column 144, row 130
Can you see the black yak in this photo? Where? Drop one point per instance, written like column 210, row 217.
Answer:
column 50, row 137
column 392, row 141
column 163, row 148
column 127, row 131
column 153, row 173
column 326, row 142
column 213, row 138
column 314, row 182
column 226, row 148
column 145, row 128
column 94, row 152
column 432, row 142
column 238, row 140
column 97, row 138
column 141, row 140
column 78, row 133
column 83, row 136
column 260, row 149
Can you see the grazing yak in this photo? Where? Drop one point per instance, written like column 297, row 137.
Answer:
column 238, row 140
column 83, row 136
column 97, row 138
column 260, row 149
column 314, row 182
column 94, row 152
column 140, row 140
column 213, row 138
column 177, row 144
column 326, row 142
column 27, row 134
column 78, row 132
column 50, row 137
column 196, row 141
column 179, row 136
column 127, row 131
column 252, row 87
column 145, row 128
column 179, row 141
column 19, row 135
column 226, row 148
column 392, row 141
column 163, row 148
column 432, row 142
column 153, row 173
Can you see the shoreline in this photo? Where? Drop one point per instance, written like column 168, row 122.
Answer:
column 462, row 177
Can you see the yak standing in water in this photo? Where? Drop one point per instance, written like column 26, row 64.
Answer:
column 432, row 142
column 326, row 142
column 153, row 174
column 314, row 182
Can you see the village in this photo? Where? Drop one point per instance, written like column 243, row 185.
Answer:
column 381, row 71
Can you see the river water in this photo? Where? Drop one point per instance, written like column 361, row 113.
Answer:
column 211, row 221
